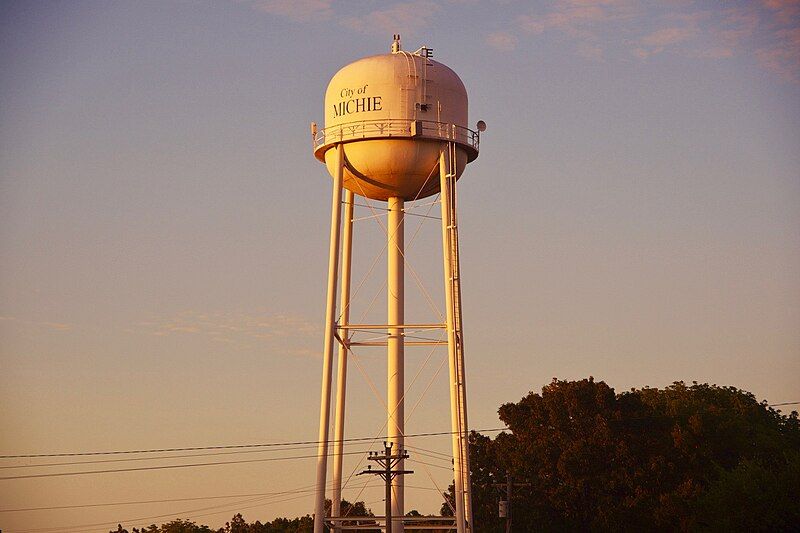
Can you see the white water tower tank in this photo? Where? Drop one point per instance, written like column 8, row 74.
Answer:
column 392, row 112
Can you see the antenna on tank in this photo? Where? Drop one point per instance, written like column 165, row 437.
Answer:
column 396, row 43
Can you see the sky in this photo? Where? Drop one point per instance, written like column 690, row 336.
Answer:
column 634, row 215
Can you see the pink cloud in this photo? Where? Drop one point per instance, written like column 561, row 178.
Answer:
column 580, row 20
column 404, row 18
column 594, row 2
column 717, row 52
column 576, row 17
column 783, row 57
column 591, row 52
column 299, row 10
column 737, row 24
column 668, row 36
column 786, row 11
column 502, row 40
column 233, row 327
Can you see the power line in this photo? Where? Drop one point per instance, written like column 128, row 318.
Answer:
column 266, row 500
column 144, row 502
column 784, row 403
column 227, row 507
column 225, row 447
column 183, row 456
column 166, row 467
column 450, row 468
column 210, row 463
column 173, row 500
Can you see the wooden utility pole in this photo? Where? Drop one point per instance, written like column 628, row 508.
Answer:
column 387, row 462
column 505, row 505
column 508, row 499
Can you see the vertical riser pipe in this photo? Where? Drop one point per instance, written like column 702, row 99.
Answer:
column 395, row 348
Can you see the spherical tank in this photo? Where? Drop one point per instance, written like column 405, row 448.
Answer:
column 394, row 114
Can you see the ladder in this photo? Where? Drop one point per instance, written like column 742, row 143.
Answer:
column 455, row 290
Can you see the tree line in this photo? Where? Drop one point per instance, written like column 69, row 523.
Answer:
column 695, row 457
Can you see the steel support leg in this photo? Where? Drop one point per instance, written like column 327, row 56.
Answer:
column 341, row 374
column 330, row 330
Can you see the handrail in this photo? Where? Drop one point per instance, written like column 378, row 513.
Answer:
column 392, row 127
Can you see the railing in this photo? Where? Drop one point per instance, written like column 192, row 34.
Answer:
column 402, row 128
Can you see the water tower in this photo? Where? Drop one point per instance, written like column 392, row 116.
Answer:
column 395, row 131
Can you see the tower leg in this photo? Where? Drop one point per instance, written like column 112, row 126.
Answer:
column 341, row 374
column 395, row 367
column 458, row 415
column 330, row 329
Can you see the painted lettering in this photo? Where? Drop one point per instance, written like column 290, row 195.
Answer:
column 356, row 105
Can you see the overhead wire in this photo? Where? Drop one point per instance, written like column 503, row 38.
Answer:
column 142, row 502
column 166, row 467
column 228, row 446
column 181, row 456
column 193, row 513
column 305, row 492
column 450, row 468
column 82, row 527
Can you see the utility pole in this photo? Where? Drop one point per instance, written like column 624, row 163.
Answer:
column 508, row 499
column 505, row 506
column 387, row 462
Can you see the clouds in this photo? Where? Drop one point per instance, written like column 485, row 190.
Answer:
column 781, row 55
column 667, row 36
column 40, row 325
column 786, row 12
column 298, row 10
column 407, row 18
column 239, row 329
column 582, row 21
column 658, row 41
column 576, row 17
column 502, row 40
column 763, row 32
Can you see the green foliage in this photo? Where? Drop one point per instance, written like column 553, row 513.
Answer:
column 279, row 525
column 766, row 500
column 697, row 457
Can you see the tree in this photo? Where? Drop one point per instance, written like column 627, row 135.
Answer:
column 355, row 509
column 668, row 459
column 175, row 526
